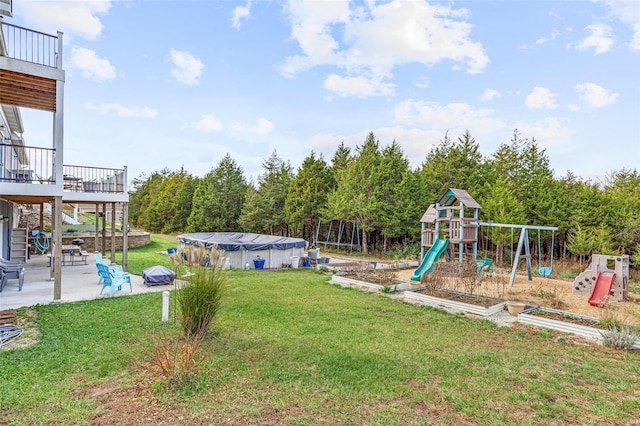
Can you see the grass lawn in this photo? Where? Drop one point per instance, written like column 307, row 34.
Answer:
column 289, row 349
column 141, row 258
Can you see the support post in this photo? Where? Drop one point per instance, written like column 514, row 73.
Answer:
column 165, row 306
column 125, row 235
column 113, row 233
column 461, row 234
column 475, row 236
column 104, row 229
column 422, row 229
column 57, row 248
column 522, row 241
column 97, row 218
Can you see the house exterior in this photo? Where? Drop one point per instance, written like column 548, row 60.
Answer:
column 32, row 76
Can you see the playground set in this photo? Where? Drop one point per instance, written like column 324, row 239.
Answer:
column 446, row 228
column 605, row 277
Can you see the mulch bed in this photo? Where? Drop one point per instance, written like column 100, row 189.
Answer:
column 566, row 317
column 471, row 299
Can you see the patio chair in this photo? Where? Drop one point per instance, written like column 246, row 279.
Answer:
column 113, row 280
column 11, row 270
column 112, row 267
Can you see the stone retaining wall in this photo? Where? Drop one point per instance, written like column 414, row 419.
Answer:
column 136, row 239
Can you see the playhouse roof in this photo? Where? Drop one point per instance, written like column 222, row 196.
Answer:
column 430, row 215
column 449, row 198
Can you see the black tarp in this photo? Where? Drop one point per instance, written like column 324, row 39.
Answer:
column 158, row 275
column 234, row 241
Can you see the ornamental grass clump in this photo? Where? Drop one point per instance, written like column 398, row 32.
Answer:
column 200, row 294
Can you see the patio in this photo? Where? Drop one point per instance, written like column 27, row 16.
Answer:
column 79, row 282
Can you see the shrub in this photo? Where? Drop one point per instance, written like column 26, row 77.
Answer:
column 620, row 336
column 617, row 334
column 200, row 295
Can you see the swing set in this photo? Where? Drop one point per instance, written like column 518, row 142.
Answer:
column 545, row 271
column 523, row 244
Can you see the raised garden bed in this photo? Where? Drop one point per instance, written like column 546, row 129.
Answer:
column 455, row 300
column 365, row 285
column 567, row 322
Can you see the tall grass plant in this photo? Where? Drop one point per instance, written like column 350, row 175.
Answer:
column 200, row 294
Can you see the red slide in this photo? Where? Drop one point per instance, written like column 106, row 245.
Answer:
column 601, row 288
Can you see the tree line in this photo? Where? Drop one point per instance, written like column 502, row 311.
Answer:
column 374, row 188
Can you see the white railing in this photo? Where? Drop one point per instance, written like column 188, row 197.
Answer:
column 29, row 45
column 94, row 179
column 26, row 164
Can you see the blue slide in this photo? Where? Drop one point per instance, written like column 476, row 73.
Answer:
column 434, row 253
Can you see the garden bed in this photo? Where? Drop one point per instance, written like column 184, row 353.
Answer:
column 567, row 322
column 454, row 300
column 393, row 286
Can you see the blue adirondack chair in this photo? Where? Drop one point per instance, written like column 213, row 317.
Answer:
column 112, row 279
column 113, row 267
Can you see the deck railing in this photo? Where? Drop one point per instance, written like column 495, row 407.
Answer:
column 27, row 164
column 93, row 179
column 29, row 45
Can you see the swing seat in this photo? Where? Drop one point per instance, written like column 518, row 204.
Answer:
column 484, row 265
column 545, row 271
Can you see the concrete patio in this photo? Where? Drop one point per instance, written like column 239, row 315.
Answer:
column 79, row 282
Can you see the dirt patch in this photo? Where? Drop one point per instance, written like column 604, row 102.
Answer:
column 557, row 294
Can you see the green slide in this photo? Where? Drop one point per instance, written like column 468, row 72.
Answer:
column 434, row 253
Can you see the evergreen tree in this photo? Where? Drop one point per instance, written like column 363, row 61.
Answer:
column 219, row 198
column 307, row 195
column 392, row 169
column 502, row 206
column 266, row 211
column 580, row 242
column 354, row 199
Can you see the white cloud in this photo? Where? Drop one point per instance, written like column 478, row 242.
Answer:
column 600, row 39
column 186, row 68
column 91, row 66
column 123, row 111
column 239, row 13
column 552, row 36
column 489, row 94
column 541, row 98
column 596, row 96
column 74, row 18
column 454, row 116
column 373, row 39
column 634, row 44
column 547, row 132
column 358, row 86
column 627, row 12
column 208, row 123
column 542, row 40
column 262, row 127
column 421, row 82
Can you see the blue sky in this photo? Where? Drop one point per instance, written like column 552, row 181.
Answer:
column 154, row 84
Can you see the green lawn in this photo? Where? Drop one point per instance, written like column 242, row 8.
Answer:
column 141, row 258
column 289, row 348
